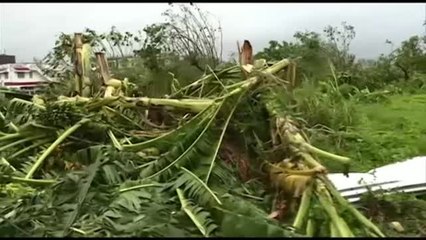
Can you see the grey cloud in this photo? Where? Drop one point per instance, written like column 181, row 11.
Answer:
column 29, row 30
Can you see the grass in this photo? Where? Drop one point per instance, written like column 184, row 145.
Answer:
column 387, row 132
column 408, row 210
column 399, row 128
column 393, row 130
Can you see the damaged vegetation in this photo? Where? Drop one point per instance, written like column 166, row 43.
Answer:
column 102, row 154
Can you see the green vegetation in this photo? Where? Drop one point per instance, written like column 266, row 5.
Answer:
column 170, row 140
column 386, row 132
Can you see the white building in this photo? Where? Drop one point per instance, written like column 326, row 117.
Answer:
column 25, row 77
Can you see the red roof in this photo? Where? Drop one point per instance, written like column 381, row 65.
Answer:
column 21, row 68
column 34, row 83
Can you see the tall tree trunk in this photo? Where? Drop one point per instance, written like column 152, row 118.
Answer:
column 404, row 70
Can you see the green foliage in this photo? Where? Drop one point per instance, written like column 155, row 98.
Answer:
column 107, row 197
column 411, row 56
column 153, row 46
column 375, row 138
column 59, row 115
column 242, row 217
column 175, row 185
column 308, row 46
column 406, row 62
column 338, row 43
column 194, row 36
column 378, row 76
column 408, row 210
column 386, row 132
column 320, row 105
column 147, row 58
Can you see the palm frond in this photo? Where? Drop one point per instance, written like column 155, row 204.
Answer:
column 124, row 115
column 111, row 175
column 28, row 148
column 193, row 144
column 114, row 140
column 53, row 146
column 82, row 193
column 196, row 188
column 223, row 175
column 198, row 216
column 235, row 225
column 242, row 218
column 163, row 142
column 25, row 166
column 130, row 200
column 203, row 145
column 21, row 110
column 216, row 146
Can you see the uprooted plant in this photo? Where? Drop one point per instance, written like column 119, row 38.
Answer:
column 94, row 165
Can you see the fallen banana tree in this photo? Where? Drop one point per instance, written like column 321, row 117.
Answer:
column 302, row 178
column 73, row 166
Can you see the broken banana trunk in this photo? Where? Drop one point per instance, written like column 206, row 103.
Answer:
column 302, row 182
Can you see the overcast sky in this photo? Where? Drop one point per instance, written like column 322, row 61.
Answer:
column 29, row 29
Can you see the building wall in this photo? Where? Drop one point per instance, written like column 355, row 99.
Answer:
column 27, row 80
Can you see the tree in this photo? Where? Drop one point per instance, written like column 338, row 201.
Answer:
column 193, row 36
column 338, row 43
column 307, row 49
column 411, row 56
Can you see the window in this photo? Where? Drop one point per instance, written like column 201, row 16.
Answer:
column 4, row 75
column 21, row 75
column 31, row 74
column 27, row 88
